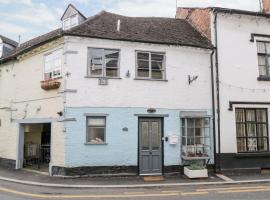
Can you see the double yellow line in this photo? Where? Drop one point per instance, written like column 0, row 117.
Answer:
column 125, row 195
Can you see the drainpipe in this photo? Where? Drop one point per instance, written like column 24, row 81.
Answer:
column 217, row 93
column 213, row 105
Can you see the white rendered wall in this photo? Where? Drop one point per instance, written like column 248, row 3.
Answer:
column 175, row 93
column 238, row 68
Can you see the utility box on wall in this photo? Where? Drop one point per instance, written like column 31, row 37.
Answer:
column 173, row 139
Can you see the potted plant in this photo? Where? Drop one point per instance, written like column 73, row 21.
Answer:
column 195, row 170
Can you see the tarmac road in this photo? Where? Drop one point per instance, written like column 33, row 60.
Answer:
column 14, row 191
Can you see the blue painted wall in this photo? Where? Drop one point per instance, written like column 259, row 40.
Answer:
column 122, row 147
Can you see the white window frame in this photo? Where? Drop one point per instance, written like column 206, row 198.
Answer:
column 103, row 74
column 69, row 20
column 52, row 69
column 87, row 126
column 150, row 65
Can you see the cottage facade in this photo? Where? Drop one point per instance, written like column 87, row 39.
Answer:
column 108, row 94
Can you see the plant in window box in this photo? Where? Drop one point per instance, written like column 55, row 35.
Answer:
column 195, row 169
column 50, row 84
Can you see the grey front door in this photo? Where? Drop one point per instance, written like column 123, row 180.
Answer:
column 150, row 146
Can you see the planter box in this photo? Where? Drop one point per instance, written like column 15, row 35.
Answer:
column 50, row 84
column 203, row 173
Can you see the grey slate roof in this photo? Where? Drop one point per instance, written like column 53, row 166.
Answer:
column 9, row 41
column 137, row 29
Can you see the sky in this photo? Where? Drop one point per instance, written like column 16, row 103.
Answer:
column 30, row 18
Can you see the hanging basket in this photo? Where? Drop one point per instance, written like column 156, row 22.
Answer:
column 50, row 84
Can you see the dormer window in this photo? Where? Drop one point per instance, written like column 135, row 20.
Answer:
column 70, row 22
column 71, row 17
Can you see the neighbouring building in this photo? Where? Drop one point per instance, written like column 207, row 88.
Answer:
column 108, row 94
column 242, row 41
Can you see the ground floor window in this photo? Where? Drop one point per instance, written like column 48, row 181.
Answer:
column 195, row 137
column 251, row 130
column 96, row 127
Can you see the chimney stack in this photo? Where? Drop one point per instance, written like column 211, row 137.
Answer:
column 266, row 6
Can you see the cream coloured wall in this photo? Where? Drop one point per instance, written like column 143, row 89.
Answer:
column 21, row 98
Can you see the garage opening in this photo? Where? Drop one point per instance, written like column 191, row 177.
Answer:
column 37, row 146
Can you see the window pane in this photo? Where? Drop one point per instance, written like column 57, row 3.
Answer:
column 112, row 72
column 143, row 73
column 111, row 54
column 267, row 44
column 241, row 145
column 157, row 57
column 190, row 141
column 183, row 127
column 190, row 123
column 252, row 144
column 261, row 47
column 250, row 115
column 198, row 140
column 198, row 132
column 157, row 65
column 157, row 75
column 95, row 121
column 263, row 70
column 262, row 144
column 262, row 130
column 145, row 136
column 190, row 132
column 143, row 56
column 251, row 129
column 73, row 20
column 143, row 64
column 261, row 115
column 96, row 134
column 155, row 136
column 96, row 61
column 261, row 60
column 240, row 130
column 240, row 115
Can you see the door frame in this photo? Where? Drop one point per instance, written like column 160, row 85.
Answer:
column 20, row 138
column 161, row 137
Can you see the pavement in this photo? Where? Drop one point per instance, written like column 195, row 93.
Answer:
column 25, row 185
column 31, row 177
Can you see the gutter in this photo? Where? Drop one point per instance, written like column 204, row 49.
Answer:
column 218, row 167
column 213, row 104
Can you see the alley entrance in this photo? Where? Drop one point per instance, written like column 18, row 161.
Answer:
column 37, row 146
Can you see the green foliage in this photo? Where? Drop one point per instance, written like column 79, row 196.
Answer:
column 194, row 165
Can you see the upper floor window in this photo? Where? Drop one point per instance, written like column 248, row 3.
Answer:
column 251, row 129
column 53, row 64
column 70, row 22
column 264, row 59
column 150, row 65
column 103, row 62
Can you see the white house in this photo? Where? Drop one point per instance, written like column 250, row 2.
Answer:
column 108, row 94
column 242, row 85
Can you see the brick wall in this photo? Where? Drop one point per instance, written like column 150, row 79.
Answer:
column 266, row 6
column 199, row 18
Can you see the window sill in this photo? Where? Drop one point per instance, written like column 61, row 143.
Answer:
column 145, row 79
column 253, row 155
column 102, row 77
column 53, row 79
column 263, row 78
column 91, row 143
